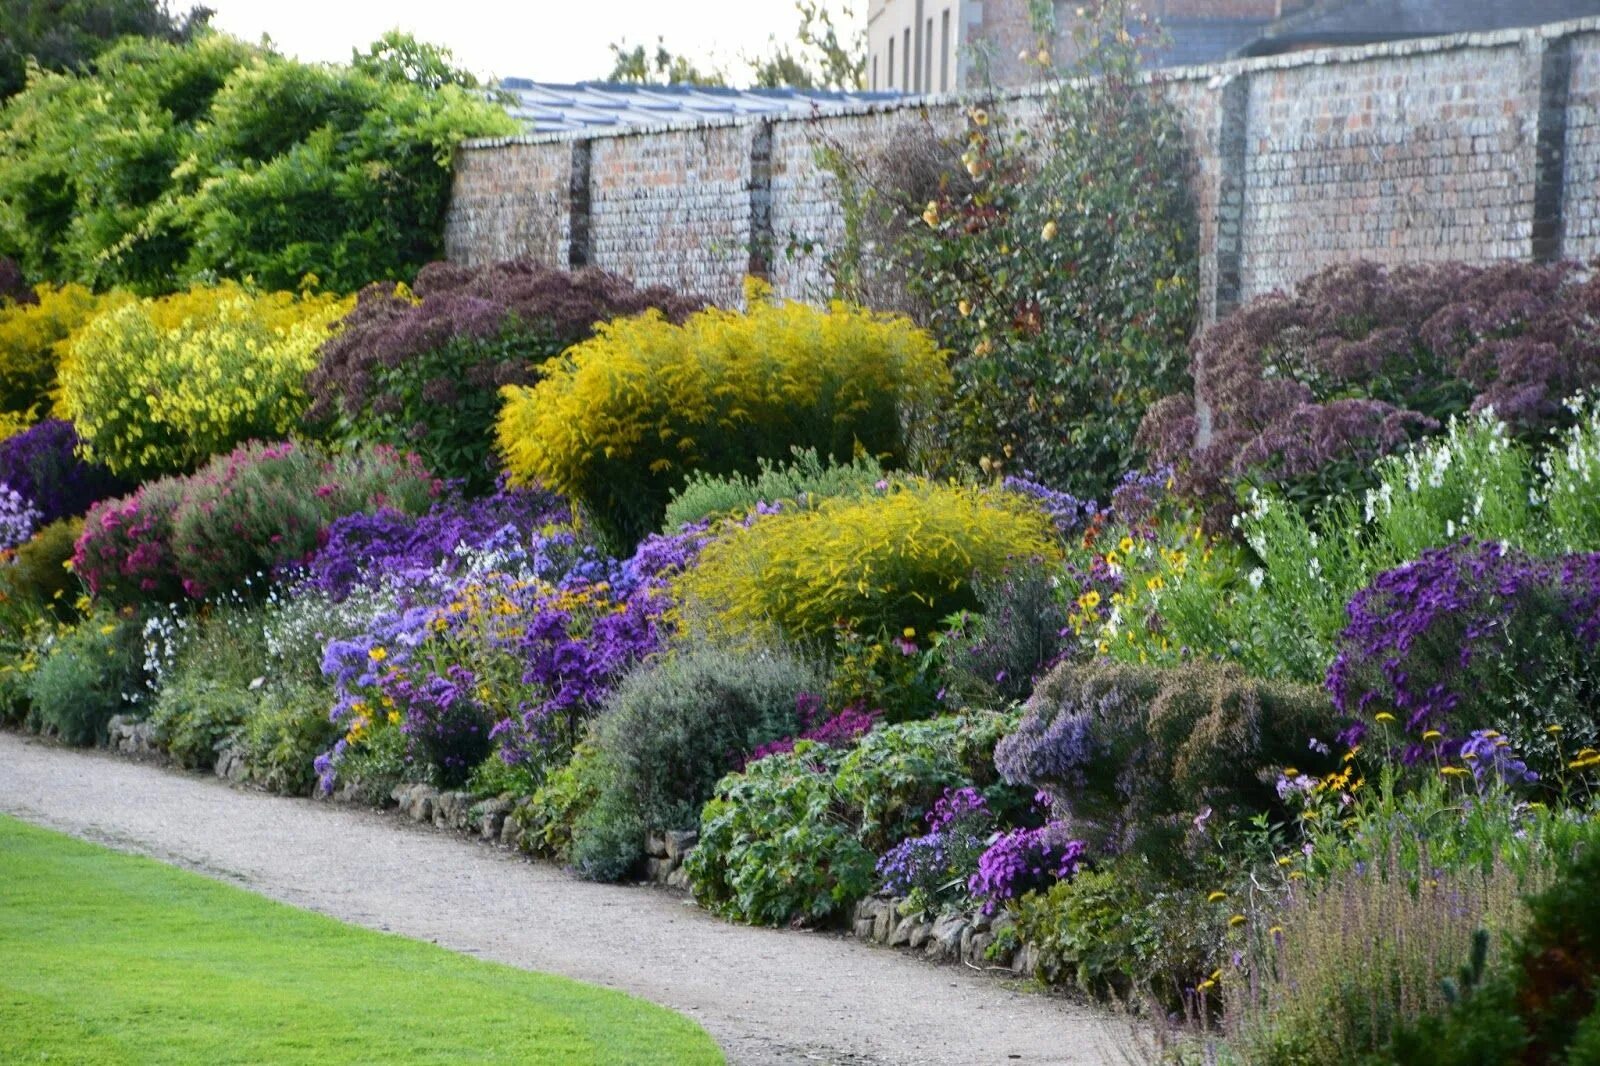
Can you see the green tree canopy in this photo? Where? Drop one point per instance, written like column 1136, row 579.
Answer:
column 66, row 35
column 175, row 162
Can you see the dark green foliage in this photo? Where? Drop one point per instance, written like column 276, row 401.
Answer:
column 67, row 35
column 284, row 733
column 86, row 677
column 794, row 836
column 669, row 732
column 773, row 849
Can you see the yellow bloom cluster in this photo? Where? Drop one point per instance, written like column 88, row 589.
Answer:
column 159, row 386
column 871, row 562
column 620, row 418
column 33, row 342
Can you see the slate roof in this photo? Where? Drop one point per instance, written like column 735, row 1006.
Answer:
column 1363, row 21
column 552, row 108
column 1197, row 42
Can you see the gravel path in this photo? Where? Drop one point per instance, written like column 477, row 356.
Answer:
column 768, row 997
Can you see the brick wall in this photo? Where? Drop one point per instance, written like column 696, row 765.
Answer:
column 1476, row 147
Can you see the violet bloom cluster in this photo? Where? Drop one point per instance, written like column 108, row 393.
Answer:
column 18, row 518
column 387, row 544
column 1462, row 636
column 958, row 827
column 1067, row 513
column 1023, row 861
column 41, row 465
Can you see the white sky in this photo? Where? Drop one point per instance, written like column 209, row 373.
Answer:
column 547, row 40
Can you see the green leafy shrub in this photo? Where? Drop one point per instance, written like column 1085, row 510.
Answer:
column 621, row 419
column 159, row 387
column 1052, row 249
column 1137, row 758
column 546, row 821
column 794, row 836
column 38, row 580
column 86, row 675
column 805, row 478
column 895, row 775
column 772, row 849
column 168, row 163
column 213, row 686
column 669, row 732
column 1119, row 931
column 902, row 558
column 284, row 733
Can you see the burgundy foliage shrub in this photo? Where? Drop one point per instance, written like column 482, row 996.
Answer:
column 425, row 374
column 1303, row 391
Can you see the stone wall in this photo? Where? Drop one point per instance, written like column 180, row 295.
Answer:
column 1477, row 147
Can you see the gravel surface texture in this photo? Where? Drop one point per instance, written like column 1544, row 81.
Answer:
column 767, row 996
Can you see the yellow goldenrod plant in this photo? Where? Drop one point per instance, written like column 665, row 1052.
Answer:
column 622, row 419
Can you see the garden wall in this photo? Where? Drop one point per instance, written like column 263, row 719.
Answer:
column 1475, row 147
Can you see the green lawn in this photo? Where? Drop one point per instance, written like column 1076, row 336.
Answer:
column 108, row 958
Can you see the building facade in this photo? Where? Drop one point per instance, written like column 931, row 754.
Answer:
column 929, row 47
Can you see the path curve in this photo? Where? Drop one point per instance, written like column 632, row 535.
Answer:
column 768, row 997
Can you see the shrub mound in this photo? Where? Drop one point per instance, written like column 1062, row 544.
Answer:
column 160, row 386
column 624, row 417
column 1135, row 757
column 902, row 558
column 1303, row 391
column 421, row 369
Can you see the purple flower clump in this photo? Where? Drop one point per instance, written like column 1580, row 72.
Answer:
column 42, row 466
column 18, row 518
column 1469, row 636
column 1023, row 861
column 393, row 545
column 839, row 731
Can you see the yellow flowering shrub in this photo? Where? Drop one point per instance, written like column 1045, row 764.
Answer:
column 902, row 558
column 33, row 339
column 621, row 419
column 160, row 386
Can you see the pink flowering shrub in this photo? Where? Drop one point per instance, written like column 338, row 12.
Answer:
column 124, row 553
column 231, row 523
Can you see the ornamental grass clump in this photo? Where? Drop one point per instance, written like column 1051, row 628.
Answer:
column 1351, row 962
column 160, row 386
column 421, row 368
column 622, row 419
column 901, row 558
